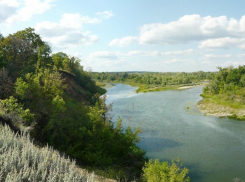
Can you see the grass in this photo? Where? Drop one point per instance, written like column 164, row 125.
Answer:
column 222, row 105
column 100, row 84
column 21, row 160
column 223, row 99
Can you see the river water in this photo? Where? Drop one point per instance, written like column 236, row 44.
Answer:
column 212, row 148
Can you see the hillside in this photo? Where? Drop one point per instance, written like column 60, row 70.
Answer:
column 21, row 160
column 52, row 97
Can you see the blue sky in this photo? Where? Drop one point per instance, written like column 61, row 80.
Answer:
column 136, row 35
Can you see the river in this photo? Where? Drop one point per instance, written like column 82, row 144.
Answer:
column 212, row 148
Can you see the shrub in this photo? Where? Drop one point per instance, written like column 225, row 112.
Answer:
column 14, row 111
column 155, row 171
column 22, row 161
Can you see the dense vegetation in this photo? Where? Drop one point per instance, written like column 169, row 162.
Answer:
column 148, row 81
column 227, row 88
column 57, row 102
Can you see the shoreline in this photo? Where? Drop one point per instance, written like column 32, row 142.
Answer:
column 209, row 108
column 192, row 86
column 144, row 89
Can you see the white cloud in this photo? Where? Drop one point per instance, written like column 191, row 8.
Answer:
column 157, row 53
column 68, row 32
column 105, row 55
column 241, row 55
column 134, row 60
column 179, row 61
column 225, row 42
column 105, row 14
column 11, row 3
column 213, row 32
column 137, row 53
column 232, row 63
column 206, row 62
column 191, row 28
column 144, row 53
column 124, row 41
column 76, row 20
column 212, row 56
column 13, row 11
column 5, row 12
column 71, row 39
column 188, row 51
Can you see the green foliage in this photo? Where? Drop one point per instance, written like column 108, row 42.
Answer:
column 6, row 85
column 2, row 61
column 84, row 80
column 44, row 57
column 40, row 90
column 59, row 59
column 21, row 88
column 58, row 104
column 20, row 52
column 154, row 81
column 155, row 171
column 63, row 62
column 12, row 107
column 228, row 85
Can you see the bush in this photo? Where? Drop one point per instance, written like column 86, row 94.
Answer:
column 155, row 171
column 14, row 111
column 21, row 161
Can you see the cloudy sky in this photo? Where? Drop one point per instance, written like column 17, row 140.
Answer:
column 136, row 35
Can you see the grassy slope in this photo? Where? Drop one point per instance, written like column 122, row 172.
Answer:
column 21, row 160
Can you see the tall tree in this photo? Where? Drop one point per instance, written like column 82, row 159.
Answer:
column 6, row 85
column 44, row 56
column 20, row 51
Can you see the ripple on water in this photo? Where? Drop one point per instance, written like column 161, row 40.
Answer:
column 212, row 148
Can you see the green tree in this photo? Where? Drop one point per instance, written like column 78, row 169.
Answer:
column 11, row 107
column 39, row 90
column 59, row 59
column 2, row 61
column 20, row 51
column 44, row 56
column 6, row 85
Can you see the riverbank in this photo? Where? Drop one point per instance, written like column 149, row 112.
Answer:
column 187, row 87
column 105, row 85
column 208, row 106
column 148, row 88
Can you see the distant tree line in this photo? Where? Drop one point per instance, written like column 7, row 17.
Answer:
column 157, row 79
